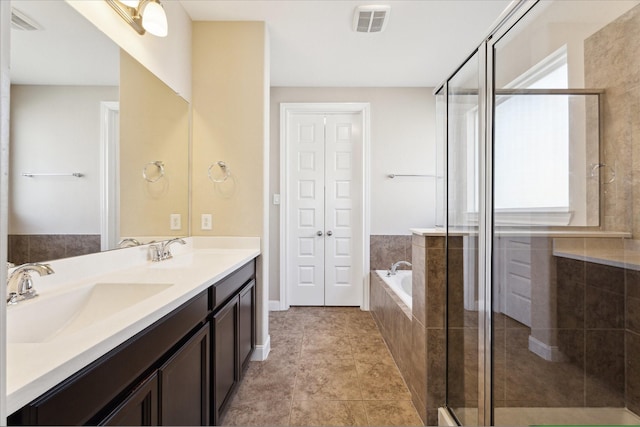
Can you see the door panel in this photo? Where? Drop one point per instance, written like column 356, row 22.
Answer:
column 326, row 210
column 306, row 187
column 343, row 209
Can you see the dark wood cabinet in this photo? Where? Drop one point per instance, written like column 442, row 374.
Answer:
column 225, row 355
column 247, row 319
column 182, row 370
column 139, row 409
column 184, row 383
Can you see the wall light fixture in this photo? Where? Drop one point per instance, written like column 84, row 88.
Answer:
column 142, row 15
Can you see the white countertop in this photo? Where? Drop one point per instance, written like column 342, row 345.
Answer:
column 33, row 368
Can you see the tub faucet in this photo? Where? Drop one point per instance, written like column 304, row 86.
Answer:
column 20, row 283
column 394, row 267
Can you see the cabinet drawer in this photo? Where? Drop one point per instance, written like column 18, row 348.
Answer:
column 222, row 290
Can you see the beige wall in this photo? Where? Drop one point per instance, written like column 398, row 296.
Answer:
column 402, row 141
column 154, row 126
column 228, row 125
column 56, row 129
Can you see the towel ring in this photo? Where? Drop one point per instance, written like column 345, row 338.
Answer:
column 225, row 169
column 159, row 165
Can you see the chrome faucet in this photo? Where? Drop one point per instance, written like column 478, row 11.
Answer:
column 20, row 283
column 128, row 242
column 394, row 267
column 162, row 251
column 166, row 247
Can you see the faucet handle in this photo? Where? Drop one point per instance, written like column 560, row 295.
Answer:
column 155, row 253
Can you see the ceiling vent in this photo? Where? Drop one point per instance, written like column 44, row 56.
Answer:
column 371, row 19
column 20, row 21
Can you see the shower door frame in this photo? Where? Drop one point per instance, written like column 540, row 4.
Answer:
column 486, row 105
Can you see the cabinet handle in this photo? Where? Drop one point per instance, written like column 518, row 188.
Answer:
column 329, row 233
column 319, row 233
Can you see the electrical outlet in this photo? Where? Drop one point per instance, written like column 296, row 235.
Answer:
column 206, row 222
column 175, row 221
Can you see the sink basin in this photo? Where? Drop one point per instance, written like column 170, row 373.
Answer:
column 45, row 318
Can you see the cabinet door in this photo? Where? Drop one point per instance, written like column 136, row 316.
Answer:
column 139, row 409
column 225, row 351
column 247, row 327
column 184, row 383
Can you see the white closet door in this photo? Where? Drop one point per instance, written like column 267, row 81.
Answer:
column 343, row 209
column 306, row 192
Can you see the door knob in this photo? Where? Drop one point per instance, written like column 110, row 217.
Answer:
column 319, row 233
column 329, row 233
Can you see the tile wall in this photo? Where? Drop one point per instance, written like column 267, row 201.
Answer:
column 612, row 62
column 599, row 325
column 384, row 250
column 25, row 248
column 415, row 336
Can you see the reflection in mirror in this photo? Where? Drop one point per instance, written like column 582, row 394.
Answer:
column 154, row 161
column 73, row 187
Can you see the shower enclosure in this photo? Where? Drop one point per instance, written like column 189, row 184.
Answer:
column 540, row 134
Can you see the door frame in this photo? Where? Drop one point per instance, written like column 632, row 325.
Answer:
column 286, row 110
column 109, row 175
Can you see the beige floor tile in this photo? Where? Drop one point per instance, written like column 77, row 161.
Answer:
column 326, row 346
column 362, row 324
column 328, row 413
column 331, row 379
column 330, row 322
column 285, row 346
column 259, row 413
column 273, row 379
column 381, row 381
column 392, row 413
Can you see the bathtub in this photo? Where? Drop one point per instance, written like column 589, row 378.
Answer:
column 400, row 284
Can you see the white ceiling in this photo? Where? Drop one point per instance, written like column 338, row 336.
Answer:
column 312, row 43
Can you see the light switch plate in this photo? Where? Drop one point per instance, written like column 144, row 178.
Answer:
column 276, row 199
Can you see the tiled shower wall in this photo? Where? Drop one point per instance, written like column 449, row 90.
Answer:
column 612, row 62
column 598, row 318
column 25, row 248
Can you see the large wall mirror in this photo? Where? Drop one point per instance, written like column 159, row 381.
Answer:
column 99, row 147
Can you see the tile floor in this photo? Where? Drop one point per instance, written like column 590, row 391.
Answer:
column 327, row 366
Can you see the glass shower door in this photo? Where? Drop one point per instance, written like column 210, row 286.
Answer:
column 562, row 157
column 462, row 190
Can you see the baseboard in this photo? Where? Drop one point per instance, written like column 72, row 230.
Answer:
column 548, row 352
column 274, row 305
column 261, row 352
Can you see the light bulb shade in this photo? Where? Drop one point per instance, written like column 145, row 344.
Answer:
column 131, row 3
column 154, row 20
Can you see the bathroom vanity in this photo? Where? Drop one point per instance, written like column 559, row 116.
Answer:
column 180, row 368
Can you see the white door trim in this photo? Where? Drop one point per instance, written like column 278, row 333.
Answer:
column 109, row 175
column 286, row 109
